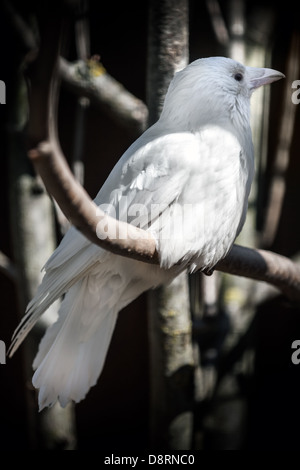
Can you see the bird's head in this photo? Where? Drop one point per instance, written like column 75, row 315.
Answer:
column 216, row 90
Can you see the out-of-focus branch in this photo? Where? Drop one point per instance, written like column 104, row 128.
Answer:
column 49, row 162
column 82, row 41
column 7, row 267
column 282, row 155
column 23, row 34
column 217, row 22
column 90, row 79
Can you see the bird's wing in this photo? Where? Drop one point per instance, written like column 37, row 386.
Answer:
column 150, row 172
column 154, row 175
column 202, row 224
column 146, row 174
column 189, row 189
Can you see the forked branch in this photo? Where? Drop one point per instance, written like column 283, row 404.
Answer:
column 49, row 162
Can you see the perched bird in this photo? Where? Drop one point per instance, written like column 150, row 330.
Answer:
column 187, row 180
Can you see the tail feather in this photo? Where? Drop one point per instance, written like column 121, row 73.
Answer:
column 72, row 243
column 97, row 285
column 70, row 261
column 72, row 353
column 56, row 282
column 67, row 369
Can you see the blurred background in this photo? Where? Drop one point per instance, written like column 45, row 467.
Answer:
column 243, row 389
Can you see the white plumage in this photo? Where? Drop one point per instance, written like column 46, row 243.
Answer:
column 187, row 180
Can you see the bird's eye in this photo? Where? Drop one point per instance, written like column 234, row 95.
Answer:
column 238, row 77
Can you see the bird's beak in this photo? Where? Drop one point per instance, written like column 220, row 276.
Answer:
column 262, row 76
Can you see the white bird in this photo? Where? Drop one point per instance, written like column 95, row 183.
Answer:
column 187, row 180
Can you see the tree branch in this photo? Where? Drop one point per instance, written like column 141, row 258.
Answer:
column 90, row 79
column 263, row 265
column 47, row 157
column 119, row 238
